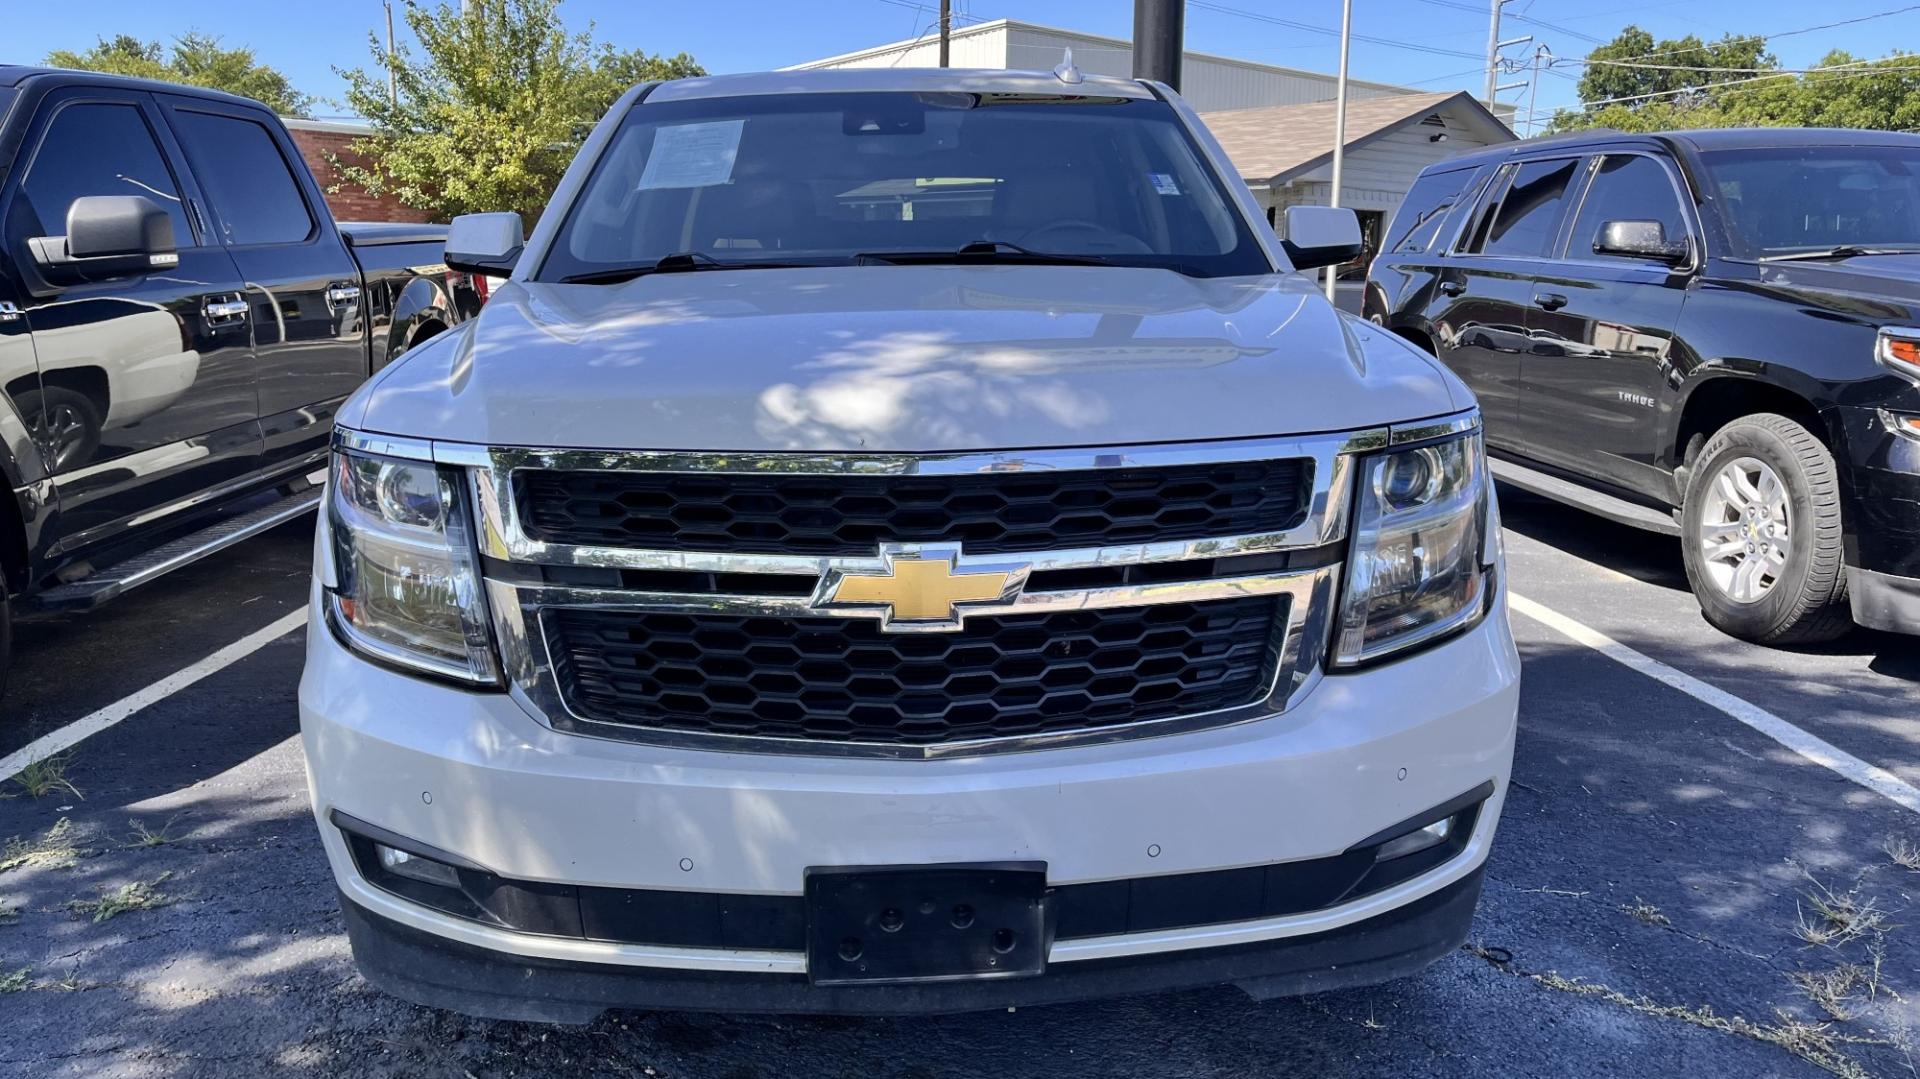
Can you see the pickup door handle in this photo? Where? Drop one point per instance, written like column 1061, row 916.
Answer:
column 343, row 295
column 1549, row 301
column 224, row 311
column 1453, row 288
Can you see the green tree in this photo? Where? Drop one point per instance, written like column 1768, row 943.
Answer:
column 195, row 59
column 1723, row 84
column 490, row 111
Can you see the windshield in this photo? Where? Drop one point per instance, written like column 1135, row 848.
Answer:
column 825, row 178
column 1787, row 199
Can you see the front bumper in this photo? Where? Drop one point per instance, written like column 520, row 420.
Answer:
column 476, row 776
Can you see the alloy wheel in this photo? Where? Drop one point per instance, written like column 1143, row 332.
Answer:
column 1745, row 533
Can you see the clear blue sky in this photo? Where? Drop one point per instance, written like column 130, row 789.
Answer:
column 746, row 35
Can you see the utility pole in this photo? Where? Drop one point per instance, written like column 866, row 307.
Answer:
column 1159, row 34
column 1533, row 92
column 1493, row 46
column 1340, row 124
column 946, row 29
column 393, row 83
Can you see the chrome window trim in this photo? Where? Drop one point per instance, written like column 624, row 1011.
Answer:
column 1311, row 593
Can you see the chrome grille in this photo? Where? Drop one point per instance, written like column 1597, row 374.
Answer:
column 574, row 619
column 851, row 515
column 841, row 680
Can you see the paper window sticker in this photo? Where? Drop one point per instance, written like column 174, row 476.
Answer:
column 692, row 155
column 1164, row 183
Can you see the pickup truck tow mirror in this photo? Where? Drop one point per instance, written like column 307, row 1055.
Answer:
column 108, row 235
column 485, row 243
column 1640, row 239
column 1321, row 236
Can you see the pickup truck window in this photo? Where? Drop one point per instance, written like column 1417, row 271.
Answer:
column 1628, row 187
column 96, row 149
column 1527, row 216
column 1787, row 199
column 254, row 193
column 821, row 179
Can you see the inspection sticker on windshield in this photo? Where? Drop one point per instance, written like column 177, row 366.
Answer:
column 692, row 155
column 1163, row 183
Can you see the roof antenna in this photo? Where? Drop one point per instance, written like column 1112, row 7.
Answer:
column 1066, row 72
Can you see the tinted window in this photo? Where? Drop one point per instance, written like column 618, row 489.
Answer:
column 1419, row 218
column 1628, row 187
column 254, row 193
column 1524, row 222
column 97, row 149
column 822, row 178
column 1778, row 200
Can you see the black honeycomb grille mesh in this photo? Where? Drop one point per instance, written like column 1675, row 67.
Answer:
column 850, row 514
column 844, row 680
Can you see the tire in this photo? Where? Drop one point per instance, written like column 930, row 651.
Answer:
column 1760, row 529
column 65, row 425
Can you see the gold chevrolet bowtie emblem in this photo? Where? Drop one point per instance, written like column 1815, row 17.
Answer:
column 920, row 590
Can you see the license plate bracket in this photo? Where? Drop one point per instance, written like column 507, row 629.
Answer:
column 878, row 925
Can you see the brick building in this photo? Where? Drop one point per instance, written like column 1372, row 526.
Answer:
column 316, row 139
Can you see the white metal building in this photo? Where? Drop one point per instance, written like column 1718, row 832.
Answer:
column 1209, row 82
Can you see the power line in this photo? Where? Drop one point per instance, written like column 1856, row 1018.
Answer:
column 1779, row 34
column 1836, row 72
column 1208, row 5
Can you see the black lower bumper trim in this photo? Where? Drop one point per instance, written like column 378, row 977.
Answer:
column 430, row 970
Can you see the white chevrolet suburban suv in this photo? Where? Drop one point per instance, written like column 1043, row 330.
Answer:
column 904, row 541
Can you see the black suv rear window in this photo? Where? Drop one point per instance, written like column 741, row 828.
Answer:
column 1524, row 222
column 1420, row 217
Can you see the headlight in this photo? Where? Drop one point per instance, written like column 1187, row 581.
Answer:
column 1898, row 350
column 1421, row 556
column 408, row 588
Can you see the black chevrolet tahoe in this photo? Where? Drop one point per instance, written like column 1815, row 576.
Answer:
column 1715, row 334
column 179, row 319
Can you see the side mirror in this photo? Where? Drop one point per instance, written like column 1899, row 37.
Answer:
column 1321, row 236
column 107, row 235
column 485, row 243
column 1640, row 239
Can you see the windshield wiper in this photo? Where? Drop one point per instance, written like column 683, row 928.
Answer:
column 678, row 262
column 982, row 251
column 1842, row 251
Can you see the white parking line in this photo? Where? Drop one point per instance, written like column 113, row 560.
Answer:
column 1810, row 746
column 73, row 733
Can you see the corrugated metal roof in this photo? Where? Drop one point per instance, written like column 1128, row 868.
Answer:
column 1274, row 143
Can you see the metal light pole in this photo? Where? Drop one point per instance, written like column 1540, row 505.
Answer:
column 1340, row 122
column 393, row 84
column 1159, row 33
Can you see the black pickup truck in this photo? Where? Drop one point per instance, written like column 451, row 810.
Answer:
column 1714, row 334
column 179, row 318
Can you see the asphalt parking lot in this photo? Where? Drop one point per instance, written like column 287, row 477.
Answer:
column 1698, row 873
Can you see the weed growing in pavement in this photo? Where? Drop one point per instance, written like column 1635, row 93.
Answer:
column 48, row 775
column 15, row 980
column 142, row 836
column 1902, row 851
column 1833, row 990
column 140, row 895
column 55, row 850
column 1646, row 913
column 1838, row 917
column 1817, row 1043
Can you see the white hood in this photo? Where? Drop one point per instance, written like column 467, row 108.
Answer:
column 903, row 358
